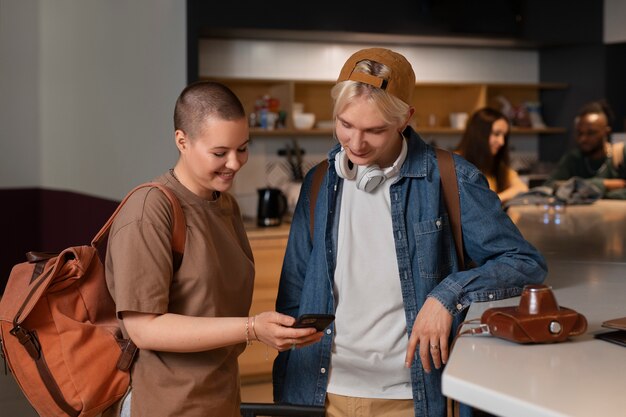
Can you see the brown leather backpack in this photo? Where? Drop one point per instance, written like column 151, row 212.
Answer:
column 59, row 331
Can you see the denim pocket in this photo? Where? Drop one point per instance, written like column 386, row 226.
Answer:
column 433, row 244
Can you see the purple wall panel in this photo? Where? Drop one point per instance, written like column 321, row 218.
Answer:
column 19, row 227
column 46, row 220
column 69, row 219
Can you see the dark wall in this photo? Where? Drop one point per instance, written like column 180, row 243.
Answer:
column 485, row 18
column 593, row 72
column 568, row 35
column 553, row 22
column 583, row 69
column 562, row 22
column 616, row 83
column 47, row 220
column 411, row 17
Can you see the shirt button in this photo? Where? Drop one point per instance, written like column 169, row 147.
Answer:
column 438, row 223
column 328, row 331
column 491, row 296
column 459, row 306
column 323, row 370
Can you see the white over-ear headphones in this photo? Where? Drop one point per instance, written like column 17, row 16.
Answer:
column 367, row 177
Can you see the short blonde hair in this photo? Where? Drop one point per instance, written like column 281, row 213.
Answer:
column 391, row 108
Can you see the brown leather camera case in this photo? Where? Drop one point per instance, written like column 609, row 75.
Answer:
column 537, row 319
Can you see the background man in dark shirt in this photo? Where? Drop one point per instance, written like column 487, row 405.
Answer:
column 595, row 158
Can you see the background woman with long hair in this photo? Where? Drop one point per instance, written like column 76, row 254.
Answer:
column 485, row 143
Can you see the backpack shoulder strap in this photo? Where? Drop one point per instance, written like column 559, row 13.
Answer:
column 179, row 227
column 318, row 177
column 450, row 189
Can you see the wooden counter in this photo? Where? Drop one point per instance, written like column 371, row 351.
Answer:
column 256, row 232
column 268, row 247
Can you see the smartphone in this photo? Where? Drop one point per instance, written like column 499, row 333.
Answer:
column 319, row 321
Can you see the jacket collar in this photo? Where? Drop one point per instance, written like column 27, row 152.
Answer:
column 417, row 161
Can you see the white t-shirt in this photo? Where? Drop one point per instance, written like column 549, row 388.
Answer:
column 370, row 343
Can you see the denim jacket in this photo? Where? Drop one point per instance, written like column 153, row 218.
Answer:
column 427, row 264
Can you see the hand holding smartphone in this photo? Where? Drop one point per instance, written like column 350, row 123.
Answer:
column 319, row 321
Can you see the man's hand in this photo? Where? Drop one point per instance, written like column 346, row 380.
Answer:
column 430, row 335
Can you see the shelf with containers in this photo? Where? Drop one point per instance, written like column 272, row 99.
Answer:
column 433, row 102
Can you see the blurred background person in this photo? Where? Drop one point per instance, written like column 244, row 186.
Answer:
column 595, row 158
column 485, row 143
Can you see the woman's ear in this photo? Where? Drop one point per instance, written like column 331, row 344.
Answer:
column 181, row 140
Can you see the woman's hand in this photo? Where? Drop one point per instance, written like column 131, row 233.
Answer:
column 614, row 183
column 430, row 335
column 274, row 329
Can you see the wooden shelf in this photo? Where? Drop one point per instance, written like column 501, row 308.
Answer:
column 532, row 131
column 514, row 130
column 290, row 132
column 419, row 129
column 432, row 101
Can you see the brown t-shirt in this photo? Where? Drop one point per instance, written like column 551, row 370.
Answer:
column 215, row 279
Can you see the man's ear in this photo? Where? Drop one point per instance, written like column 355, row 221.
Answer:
column 408, row 119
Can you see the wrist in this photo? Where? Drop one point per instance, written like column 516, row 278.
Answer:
column 247, row 332
column 254, row 335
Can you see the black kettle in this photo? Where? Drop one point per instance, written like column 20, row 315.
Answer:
column 272, row 207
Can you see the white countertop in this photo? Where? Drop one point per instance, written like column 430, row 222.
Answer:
column 581, row 377
column 590, row 232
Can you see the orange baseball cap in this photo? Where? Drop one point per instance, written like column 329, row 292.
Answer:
column 400, row 82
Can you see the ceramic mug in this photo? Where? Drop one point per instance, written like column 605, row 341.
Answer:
column 458, row 120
